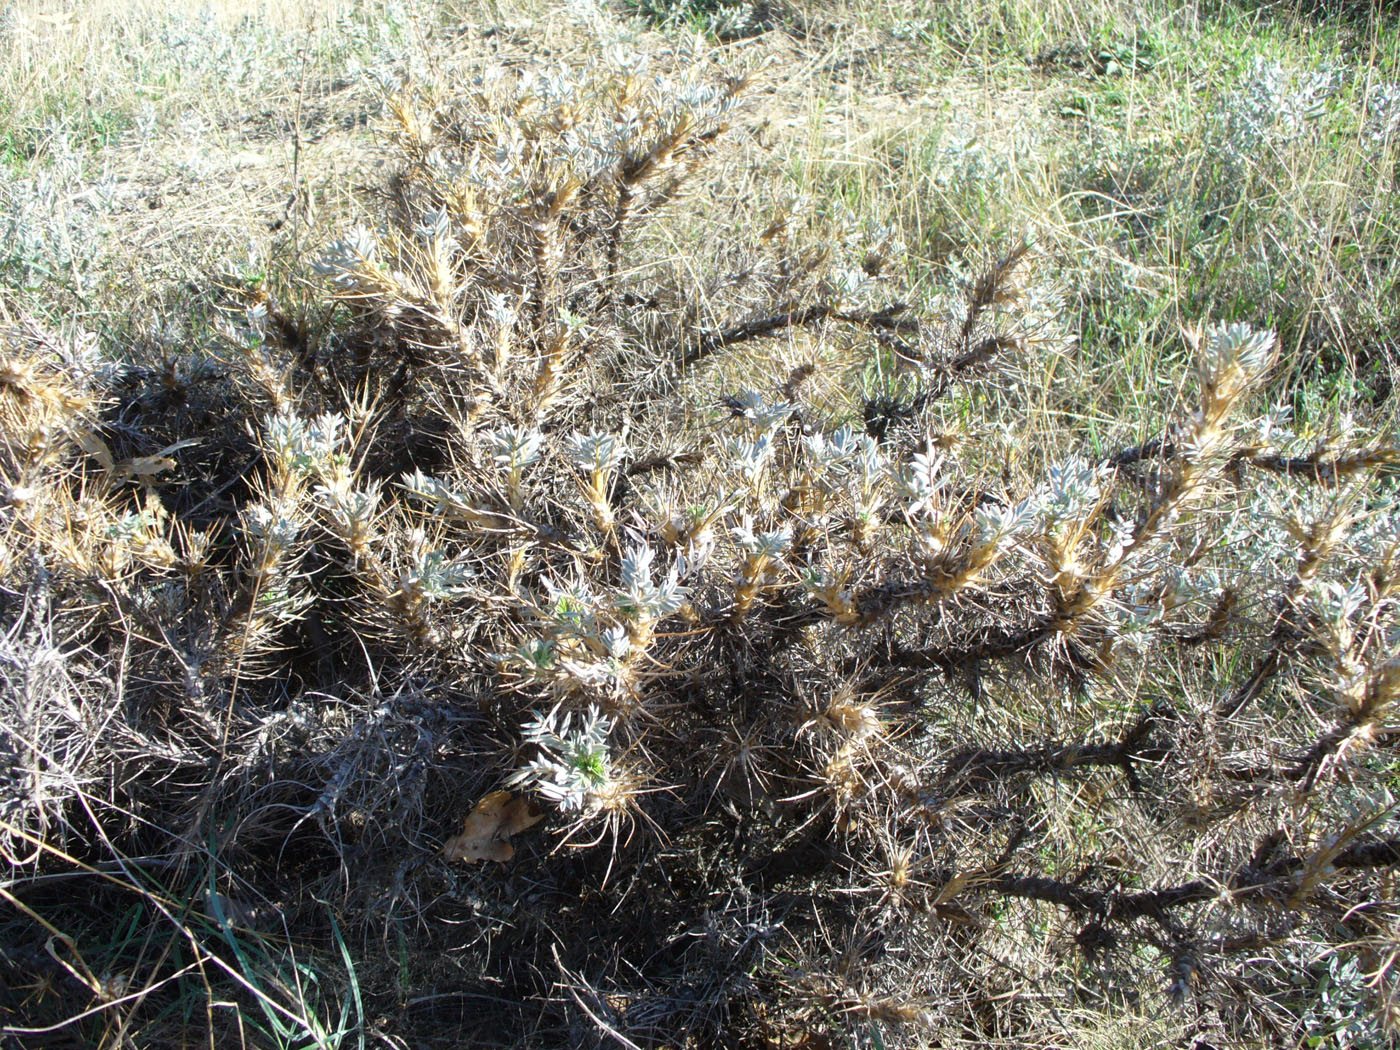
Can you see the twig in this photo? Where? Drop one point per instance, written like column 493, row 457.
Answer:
column 886, row 319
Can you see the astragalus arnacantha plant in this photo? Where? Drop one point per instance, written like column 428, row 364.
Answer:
column 573, row 767
column 862, row 702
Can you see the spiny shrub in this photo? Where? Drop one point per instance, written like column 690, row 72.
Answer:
column 465, row 602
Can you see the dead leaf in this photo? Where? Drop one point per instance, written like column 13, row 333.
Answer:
column 951, row 888
column 147, row 466
column 487, row 830
column 95, row 447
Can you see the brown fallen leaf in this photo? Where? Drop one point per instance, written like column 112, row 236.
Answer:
column 146, row 466
column 95, row 447
column 487, row 830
